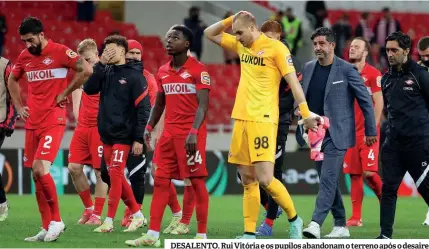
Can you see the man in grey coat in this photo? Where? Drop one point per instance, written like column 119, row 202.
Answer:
column 331, row 86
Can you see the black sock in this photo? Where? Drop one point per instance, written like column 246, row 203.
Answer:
column 2, row 192
column 136, row 166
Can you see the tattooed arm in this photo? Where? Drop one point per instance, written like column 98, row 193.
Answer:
column 82, row 72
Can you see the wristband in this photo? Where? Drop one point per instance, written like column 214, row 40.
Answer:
column 149, row 128
column 193, row 131
column 228, row 21
column 305, row 112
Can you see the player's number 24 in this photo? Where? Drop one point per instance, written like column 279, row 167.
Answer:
column 192, row 160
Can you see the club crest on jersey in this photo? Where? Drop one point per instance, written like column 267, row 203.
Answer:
column 409, row 82
column 289, row 60
column 364, row 79
column 185, row 75
column 70, row 53
column 379, row 81
column 260, row 53
column 47, row 61
column 205, row 78
column 123, row 81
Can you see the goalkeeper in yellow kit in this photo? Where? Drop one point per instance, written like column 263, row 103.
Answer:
column 256, row 112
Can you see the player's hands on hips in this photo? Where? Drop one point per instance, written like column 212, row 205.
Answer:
column 191, row 144
column 137, row 148
column 107, row 55
column 23, row 112
column 147, row 137
column 370, row 140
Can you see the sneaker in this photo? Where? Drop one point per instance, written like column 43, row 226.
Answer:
column 55, row 230
column 354, row 222
column 264, row 230
column 4, row 211
column 136, row 223
column 38, row 237
column 180, row 229
column 382, row 237
column 296, row 228
column 86, row 215
column 173, row 223
column 126, row 221
column 246, row 236
column 106, row 227
column 145, row 240
column 338, row 232
column 312, row 231
column 94, row 220
column 200, row 237
column 426, row 222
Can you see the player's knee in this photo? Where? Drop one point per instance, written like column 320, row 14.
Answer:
column 38, row 169
column 264, row 180
column 75, row 169
column 247, row 179
column 187, row 182
column 367, row 174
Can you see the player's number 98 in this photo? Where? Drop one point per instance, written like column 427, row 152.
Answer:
column 261, row 142
column 194, row 159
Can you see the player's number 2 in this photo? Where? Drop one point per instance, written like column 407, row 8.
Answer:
column 192, row 160
column 261, row 142
column 48, row 141
column 371, row 154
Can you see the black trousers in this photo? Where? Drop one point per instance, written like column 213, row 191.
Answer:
column 397, row 159
column 136, row 167
column 2, row 192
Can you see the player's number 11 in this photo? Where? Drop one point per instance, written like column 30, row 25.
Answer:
column 194, row 159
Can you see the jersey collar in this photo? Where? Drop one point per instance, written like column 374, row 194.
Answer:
column 47, row 48
column 187, row 65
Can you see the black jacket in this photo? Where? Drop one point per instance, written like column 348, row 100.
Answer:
column 124, row 102
column 286, row 99
column 406, row 99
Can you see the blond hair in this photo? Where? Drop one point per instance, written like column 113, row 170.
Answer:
column 245, row 17
column 85, row 45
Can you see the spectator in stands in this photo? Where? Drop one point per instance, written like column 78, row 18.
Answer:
column 231, row 57
column 316, row 13
column 85, row 11
column 363, row 29
column 343, row 34
column 197, row 26
column 423, row 49
column 384, row 27
column 293, row 30
column 278, row 17
column 3, row 30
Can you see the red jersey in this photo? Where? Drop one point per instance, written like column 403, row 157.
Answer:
column 88, row 111
column 372, row 80
column 47, row 78
column 180, row 88
column 152, row 86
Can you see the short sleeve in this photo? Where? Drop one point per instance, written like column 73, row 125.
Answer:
column 152, row 86
column 376, row 82
column 68, row 57
column 201, row 77
column 18, row 69
column 283, row 59
column 158, row 81
column 229, row 42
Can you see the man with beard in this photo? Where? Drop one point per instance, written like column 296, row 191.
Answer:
column 331, row 86
column 361, row 161
column 46, row 65
column 406, row 98
column 423, row 49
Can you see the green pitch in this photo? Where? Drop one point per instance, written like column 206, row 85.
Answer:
column 225, row 221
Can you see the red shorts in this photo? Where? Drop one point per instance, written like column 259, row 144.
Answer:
column 86, row 147
column 155, row 154
column 361, row 158
column 42, row 144
column 116, row 155
column 174, row 163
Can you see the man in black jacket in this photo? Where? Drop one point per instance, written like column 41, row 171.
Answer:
column 406, row 93
column 123, row 113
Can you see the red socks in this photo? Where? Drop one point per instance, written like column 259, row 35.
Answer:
column 115, row 192
column 269, row 222
column 375, row 183
column 202, row 206
column 356, row 195
column 50, row 192
column 128, row 198
column 157, row 207
column 173, row 203
column 85, row 196
column 99, row 204
column 44, row 208
column 188, row 204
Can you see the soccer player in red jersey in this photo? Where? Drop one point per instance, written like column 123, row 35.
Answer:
column 86, row 147
column 184, row 86
column 45, row 65
column 361, row 161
